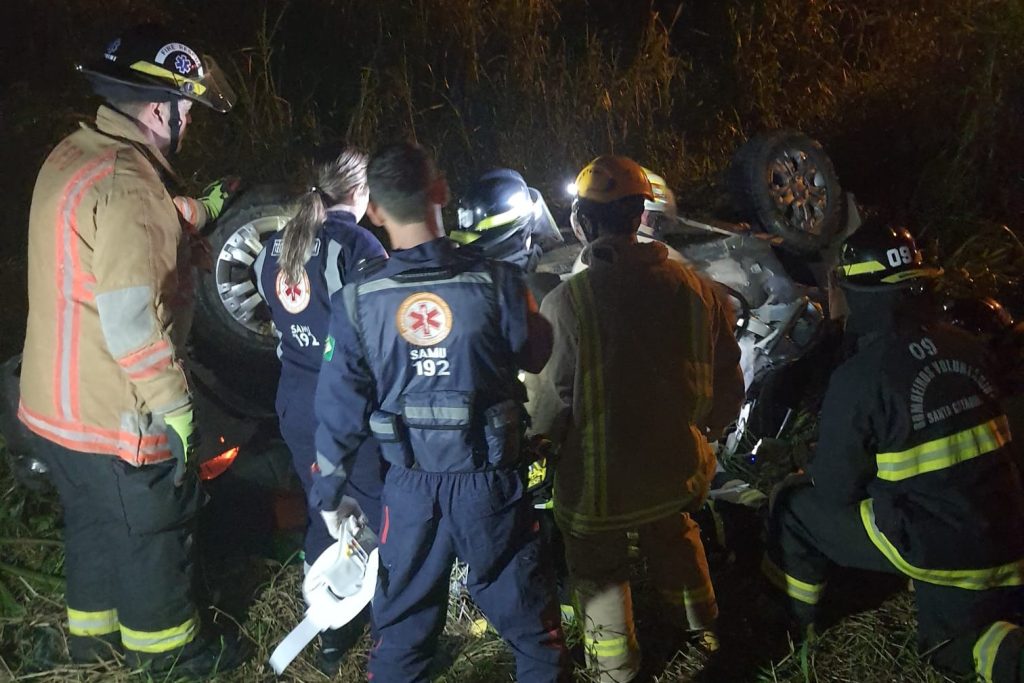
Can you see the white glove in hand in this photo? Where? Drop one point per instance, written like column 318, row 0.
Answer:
column 335, row 519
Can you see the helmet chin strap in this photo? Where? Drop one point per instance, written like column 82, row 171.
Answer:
column 582, row 224
column 175, row 132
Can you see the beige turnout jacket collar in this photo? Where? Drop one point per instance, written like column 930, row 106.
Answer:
column 112, row 122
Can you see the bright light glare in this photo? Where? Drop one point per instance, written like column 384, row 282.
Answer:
column 571, row 189
column 519, row 200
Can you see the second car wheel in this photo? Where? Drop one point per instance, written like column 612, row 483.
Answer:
column 784, row 182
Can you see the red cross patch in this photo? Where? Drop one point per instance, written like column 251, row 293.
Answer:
column 424, row 319
column 294, row 297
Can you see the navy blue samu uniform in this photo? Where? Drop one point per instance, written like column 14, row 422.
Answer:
column 301, row 313
column 423, row 356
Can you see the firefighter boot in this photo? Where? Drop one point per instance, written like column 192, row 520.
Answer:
column 93, row 649
column 208, row 654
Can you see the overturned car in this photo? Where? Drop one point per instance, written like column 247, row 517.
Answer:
column 786, row 210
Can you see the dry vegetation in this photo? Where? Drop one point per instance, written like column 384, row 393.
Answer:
column 875, row 645
column 918, row 101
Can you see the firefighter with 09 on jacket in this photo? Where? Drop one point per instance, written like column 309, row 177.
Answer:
column 913, row 472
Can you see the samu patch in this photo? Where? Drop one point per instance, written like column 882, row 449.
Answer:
column 293, row 297
column 329, row 348
column 424, row 319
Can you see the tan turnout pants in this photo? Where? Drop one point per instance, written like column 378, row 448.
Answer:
column 599, row 571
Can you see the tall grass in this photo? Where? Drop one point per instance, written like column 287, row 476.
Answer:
column 916, row 100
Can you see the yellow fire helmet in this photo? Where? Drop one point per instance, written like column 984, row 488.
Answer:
column 664, row 200
column 609, row 178
column 659, row 188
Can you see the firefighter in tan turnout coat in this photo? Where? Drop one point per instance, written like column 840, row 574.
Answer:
column 103, row 384
column 644, row 371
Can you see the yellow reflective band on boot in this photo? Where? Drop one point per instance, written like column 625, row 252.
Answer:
column 809, row 593
column 690, row 596
column 159, row 641
column 607, row 647
column 699, row 604
column 1009, row 574
column 945, row 452
column 987, row 648
column 82, row 623
column 699, row 596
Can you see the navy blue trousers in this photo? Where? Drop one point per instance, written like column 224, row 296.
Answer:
column 298, row 427
column 485, row 520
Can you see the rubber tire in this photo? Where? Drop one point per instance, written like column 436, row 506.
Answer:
column 243, row 360
column 20, row 443
column 748, row 189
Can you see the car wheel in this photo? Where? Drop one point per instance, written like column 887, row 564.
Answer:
column 784, row 183
column 233, row 335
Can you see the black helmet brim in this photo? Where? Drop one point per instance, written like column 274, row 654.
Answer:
column 211, row 88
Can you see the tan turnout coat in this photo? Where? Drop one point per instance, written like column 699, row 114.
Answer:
column 644, row 367
column 110, row 296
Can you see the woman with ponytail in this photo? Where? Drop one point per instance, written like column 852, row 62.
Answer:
column 298, row 270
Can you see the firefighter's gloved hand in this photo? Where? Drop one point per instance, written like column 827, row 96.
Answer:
column 335, row 519
column 182, row 438
column 218, row 195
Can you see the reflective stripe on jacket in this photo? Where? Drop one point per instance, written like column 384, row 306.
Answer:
column 644, row 363
column 301, row 311
column 445, row 372
column 431, row 373
column 110, row 296
column 913, row 431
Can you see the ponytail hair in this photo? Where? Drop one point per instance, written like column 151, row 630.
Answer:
column 337, row 173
